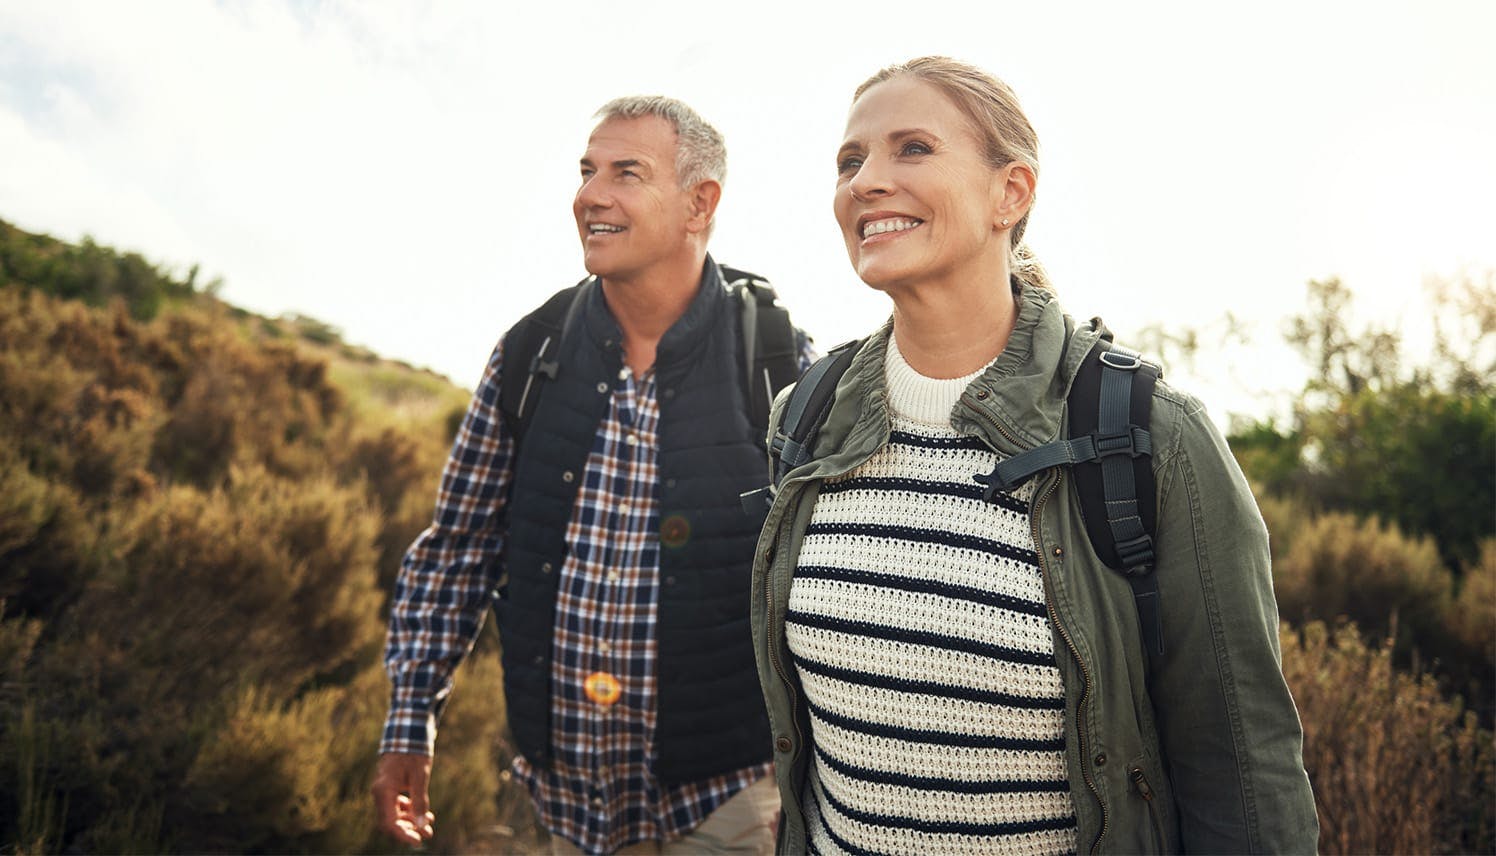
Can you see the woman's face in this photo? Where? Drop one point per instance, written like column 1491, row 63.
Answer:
column 916, row 199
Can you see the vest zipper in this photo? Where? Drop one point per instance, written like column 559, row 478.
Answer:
column 1085, row 694
column 1140, row 781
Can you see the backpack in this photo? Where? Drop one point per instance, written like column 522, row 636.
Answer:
column 771, row 353
column 1109, row 451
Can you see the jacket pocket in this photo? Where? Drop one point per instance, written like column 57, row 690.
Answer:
column 1143, row 789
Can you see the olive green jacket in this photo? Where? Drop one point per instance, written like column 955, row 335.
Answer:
column 1209, row 761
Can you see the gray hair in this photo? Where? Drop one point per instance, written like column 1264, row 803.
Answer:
column 700, row 152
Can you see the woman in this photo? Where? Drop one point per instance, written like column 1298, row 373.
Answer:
column 948, row 674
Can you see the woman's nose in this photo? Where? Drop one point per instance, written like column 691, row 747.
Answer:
column 871, row 180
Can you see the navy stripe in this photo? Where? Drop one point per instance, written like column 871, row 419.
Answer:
column 938, row 738
column 922, row 637
column 933, row 783
column 1012, row 827
column 908, row 685
column 921, row 585
column 930, row 488
column 960, row 541
column 923, row 441
column 845, row 845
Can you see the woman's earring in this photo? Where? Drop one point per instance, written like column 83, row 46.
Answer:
column 1005, row 221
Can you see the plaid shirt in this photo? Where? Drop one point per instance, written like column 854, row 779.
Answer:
column 599, row 791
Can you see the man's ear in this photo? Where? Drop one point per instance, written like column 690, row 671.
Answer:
column 703, row 199
column 1013, row 194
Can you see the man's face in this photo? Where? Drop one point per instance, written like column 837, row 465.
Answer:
column 632, row 214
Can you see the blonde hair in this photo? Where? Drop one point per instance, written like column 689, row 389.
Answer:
column 998, row 118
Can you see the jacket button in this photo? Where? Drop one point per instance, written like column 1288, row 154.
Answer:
column 669, row 482
column 1058, row 552
column 545, row 568
column 982, row 394
column 783, row 744
column 602, row 386
column 568, row 477
column 670, row 393
column 670, row 581
column 1101, row 759
column 539, row 660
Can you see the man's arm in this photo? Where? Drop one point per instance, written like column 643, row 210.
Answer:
column 447, row 581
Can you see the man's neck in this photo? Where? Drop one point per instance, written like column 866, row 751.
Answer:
column 647, row 305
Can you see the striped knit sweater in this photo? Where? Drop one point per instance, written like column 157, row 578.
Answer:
column 918, row 625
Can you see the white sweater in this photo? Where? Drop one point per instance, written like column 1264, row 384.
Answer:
column 918, row 624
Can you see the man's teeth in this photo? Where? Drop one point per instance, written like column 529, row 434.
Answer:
column 598, row 228
column 893, row 224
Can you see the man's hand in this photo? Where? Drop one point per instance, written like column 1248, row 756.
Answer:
column 400, row 797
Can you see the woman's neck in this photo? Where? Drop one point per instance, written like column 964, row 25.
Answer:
column 949, row 333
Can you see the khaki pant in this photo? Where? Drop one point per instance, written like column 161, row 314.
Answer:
column 742, row 825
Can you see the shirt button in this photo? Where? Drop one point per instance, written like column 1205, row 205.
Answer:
column 614, row 576
column 631, row 439
column 623, row 373
column 624, row 508
column 602, row 386
column 597, row 802
column 605, row 647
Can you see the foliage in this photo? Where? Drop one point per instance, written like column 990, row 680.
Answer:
column 196, row 536
column 1396, row 767
column 88, row 272
column 1415, row 447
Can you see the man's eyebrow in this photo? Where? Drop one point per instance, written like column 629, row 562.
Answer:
column 630, row 163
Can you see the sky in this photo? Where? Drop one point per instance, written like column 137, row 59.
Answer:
column 404, row 171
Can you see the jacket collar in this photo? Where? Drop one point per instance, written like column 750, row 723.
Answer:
column 1025, row 387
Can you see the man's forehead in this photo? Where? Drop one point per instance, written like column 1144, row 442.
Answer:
column 644, row 138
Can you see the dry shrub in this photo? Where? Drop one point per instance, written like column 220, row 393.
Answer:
column 1396, row 766
column 1475, row 607
column 1340, row 567
column 274, row 777
column 268, row 581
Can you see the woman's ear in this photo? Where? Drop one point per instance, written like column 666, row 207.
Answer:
column 1014, row 194
column 704, row 198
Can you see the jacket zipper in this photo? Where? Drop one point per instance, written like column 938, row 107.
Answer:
column 1140, row 781
column 1085, row 695
column 776, row 621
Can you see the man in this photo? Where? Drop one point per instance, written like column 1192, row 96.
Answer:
column 592, row 494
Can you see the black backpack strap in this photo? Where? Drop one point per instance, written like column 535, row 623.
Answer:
column 804, row 413
column 771, row 356
column 535, row 345
column 1109, row 451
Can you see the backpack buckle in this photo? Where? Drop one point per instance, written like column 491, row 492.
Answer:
column 1123, row 359
column 1136, row 555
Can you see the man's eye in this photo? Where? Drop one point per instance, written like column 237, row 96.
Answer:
column 586, row 174
column 850, row 163
column 628, row 173
column 914, row 148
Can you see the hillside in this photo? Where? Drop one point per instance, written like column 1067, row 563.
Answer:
column 201, row 511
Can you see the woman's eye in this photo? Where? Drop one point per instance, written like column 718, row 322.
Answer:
column 851, row 163
column 914, row 148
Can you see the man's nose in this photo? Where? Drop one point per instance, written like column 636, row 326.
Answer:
column 592, row 194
